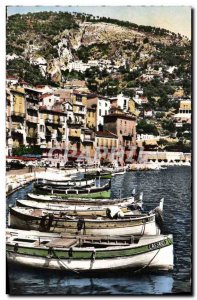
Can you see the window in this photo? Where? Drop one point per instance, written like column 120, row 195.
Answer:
column 105, row 104
column 99, row 112
column 78, row 98
column 106, row 112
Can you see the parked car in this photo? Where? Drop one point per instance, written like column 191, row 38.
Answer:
column 17, row 164
column 70, row 164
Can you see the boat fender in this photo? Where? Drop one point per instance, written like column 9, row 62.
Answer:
column 80, row 224
column 16, row 247
column 159, row 218
column 50, row 252
column 70, row 252
column 93, row 256
column 131, row 239
column 50, row 221
column 42, row 223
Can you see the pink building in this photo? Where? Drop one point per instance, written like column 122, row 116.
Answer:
column 123, row 125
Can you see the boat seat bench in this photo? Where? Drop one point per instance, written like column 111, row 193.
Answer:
column 64, row 243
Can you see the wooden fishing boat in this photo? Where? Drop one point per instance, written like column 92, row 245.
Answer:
column 65, row 184
column 81, row 201
column 75, row 209
column 91, row 192
column 90, row 254
column 52, row 176
column 51, row 221
column 115, row 171
column 102, row 175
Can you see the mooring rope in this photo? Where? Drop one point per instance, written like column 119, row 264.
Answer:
column 148, row 263
column 64, row 265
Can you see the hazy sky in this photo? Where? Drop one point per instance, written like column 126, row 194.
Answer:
column 173, row 18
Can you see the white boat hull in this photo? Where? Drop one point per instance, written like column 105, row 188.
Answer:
column 160, row 259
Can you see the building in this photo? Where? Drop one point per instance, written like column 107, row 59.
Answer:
column 184, row 113
column 106, row 144
column 148, row 113
column 132, row 108
column 90, row 119
column 87, row 143
column 120, row 101
column 52, row 128
column 78, row 66
column 9, row 141
column 79, row 102
column 102, row 105
column 33, row 101
column 17, row 111
column 123, row 125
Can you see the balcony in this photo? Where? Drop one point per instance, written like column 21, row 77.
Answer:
column 32, row 106
column 56, row 120
column 17, row 114
column 75, row 124
column 80, row 112
column 32, row 119
column 79, row 102
column 43, row 145
column 49, row 120
column 74, row 132
column 86, row 139
column 54, row 135
column 32, row 135
column 32, row 97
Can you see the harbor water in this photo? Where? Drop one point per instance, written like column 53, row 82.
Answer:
column 172, row 184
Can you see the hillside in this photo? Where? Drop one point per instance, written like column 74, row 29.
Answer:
column 44, row 43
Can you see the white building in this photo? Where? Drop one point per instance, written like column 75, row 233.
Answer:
column 148, row 113
column 120, row 101
column 184, row 114
column 11, row 80
column 103, row 107
column 49, row 99
column 78, row 66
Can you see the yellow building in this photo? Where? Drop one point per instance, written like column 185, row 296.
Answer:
column 131, row 106
column 79, row 102
column 106, row 139
column 178, row 93
column 17, row 104
column 90, row 119
column 185, row 106
column 33, row 101
column 106, row 145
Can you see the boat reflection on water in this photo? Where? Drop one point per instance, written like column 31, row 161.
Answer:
column 54, row 283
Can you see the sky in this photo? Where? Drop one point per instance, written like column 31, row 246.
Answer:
column 173, row 18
